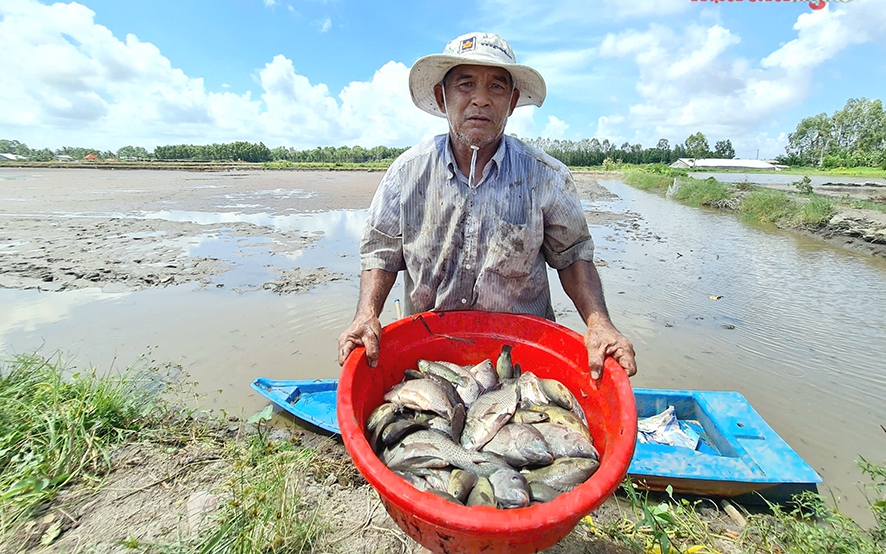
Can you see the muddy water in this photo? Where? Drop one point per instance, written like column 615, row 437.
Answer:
column 797, row 326
column 787, row 179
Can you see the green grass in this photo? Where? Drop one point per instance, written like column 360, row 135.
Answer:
column 57, row 428
column 868, row 205
column 266, row 511
column 772, row 206
column 695, row 192
column 647, row 180
column 810, row 526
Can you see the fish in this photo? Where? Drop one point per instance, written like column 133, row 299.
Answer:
column 531, row 392
column 479, row 463
column 421, row 394
column 528, row 416
column 409, row 457
column 556, row 414
column 413, row 479
column 443, row 370
column 487, row 415
column 447, row 387
column 461, row 483
column 482, row 494
column 444, row 495
column 560, row 395
column 509, row 488
column 435, row 478
column 566, row 442
column 484, row 373
column 565, row 473
column 467, row 387
column 539, row 492
column 441, row 425
column 520, row 445
column 378, row 420
column 557, row 393
column 504, row 366
column 398, row 429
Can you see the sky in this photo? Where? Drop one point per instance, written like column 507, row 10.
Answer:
column 305, row 73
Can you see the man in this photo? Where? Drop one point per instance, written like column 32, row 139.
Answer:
column 472, row 217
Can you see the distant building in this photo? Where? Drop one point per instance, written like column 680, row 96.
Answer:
column 7, row 157
column 64, row 158
column 90, row 157
column 721, row 163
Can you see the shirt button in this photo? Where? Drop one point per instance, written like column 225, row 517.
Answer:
column 464, row 300
column 470, row 229
column 467, row 266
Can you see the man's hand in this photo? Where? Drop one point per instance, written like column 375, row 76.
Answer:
column 363, row 331
column 601, row 340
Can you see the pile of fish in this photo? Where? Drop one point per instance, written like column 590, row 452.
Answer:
column 484, row 435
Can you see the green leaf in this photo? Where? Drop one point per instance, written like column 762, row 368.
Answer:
column 264, row 415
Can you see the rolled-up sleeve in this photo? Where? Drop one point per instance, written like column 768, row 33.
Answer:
column 382, row 244
column 566, row 236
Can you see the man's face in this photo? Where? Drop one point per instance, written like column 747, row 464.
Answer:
column 479, row 100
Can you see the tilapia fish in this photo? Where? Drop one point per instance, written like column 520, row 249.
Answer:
column 510, row 489
column 565, row 473
column 520, row 445
column 565, row 442
column 465, row 433
column 420, row 446
column 421, row 394
column 487, row 415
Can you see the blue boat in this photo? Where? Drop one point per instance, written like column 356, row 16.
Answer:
column 310, row 400
column 738, row 454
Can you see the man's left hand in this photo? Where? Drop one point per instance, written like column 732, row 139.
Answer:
column 603, row 339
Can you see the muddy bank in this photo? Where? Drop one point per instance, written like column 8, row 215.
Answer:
column 125, row 231
column 854, row 228
column 163, row 496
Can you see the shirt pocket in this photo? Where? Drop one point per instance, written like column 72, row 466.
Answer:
column 512, row 250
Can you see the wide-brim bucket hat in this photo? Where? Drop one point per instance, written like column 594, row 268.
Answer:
column 473, row 49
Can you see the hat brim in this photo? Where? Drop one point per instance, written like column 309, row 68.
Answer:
column 430, row 70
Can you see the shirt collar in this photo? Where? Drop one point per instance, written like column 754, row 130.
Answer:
column 497, row 158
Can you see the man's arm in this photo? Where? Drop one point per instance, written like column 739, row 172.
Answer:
column 365, row 330
column 582, row 283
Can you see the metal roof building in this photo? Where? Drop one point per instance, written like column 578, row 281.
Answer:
column 721, row 163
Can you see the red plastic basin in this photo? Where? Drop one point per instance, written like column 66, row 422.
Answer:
column 541, row 346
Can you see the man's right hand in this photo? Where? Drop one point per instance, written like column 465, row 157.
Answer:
column 363, row 331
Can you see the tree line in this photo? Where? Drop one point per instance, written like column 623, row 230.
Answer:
column 234, row 151
column 853, row 137
column 587, row 152
column 593, row 152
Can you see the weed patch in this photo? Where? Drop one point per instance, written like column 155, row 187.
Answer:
column 58, row 428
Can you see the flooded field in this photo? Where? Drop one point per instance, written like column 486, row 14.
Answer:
column 235, row 276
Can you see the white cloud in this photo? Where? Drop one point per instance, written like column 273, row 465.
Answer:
column 556, row 128
column 69, row 79
column 696, row 79
column 325, row 25
column 270, row 3
column 381, row 111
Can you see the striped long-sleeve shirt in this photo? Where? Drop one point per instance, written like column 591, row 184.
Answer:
column 482, row 247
